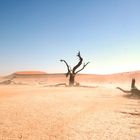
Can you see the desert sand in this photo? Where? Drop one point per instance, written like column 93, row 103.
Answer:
column 32, row 109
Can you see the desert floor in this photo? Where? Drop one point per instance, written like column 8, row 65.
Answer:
column 64, row 113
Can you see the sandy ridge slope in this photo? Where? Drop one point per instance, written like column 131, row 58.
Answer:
column 114, row 80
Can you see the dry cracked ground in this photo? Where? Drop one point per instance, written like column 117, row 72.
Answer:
column 63, row 113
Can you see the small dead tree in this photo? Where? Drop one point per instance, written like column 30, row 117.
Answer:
column 72, row 72
column 134, row 91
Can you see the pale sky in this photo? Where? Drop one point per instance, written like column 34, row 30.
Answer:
column 36, row 34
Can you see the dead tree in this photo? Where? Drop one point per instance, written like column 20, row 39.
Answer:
column 134, row 91
column 72, row 72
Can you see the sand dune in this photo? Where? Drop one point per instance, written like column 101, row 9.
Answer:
column 35, row 111
column 112, row 80
column 30, row 73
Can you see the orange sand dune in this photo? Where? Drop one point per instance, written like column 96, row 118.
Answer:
column 29, row 72
column 120, row 79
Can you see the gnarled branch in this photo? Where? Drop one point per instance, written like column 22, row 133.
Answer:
column 125, row 91
column 68, row 67
column 82, row 67
column 79, row 63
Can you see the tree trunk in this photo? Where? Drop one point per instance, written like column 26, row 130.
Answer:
column 133, row 84
column 72, row 79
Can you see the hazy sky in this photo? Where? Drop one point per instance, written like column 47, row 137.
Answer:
column 36, row 34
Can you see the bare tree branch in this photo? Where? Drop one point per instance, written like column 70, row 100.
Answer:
column 82, row 67
column 68, row 67
column 79, row 63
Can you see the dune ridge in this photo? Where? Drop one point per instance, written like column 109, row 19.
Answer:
column 39, row 77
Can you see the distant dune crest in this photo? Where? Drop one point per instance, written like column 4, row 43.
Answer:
column 29, row 72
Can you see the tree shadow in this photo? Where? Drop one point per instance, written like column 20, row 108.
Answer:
column 65, row 85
